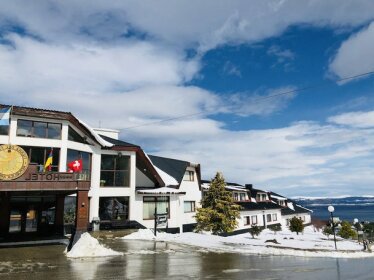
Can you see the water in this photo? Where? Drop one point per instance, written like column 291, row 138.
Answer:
column 159, row 260
column 344, row 212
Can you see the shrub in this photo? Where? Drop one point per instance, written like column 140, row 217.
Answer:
column 255, row 231
column 275, row 228
column 296, row 225
column 347, row 231
column 327, row 230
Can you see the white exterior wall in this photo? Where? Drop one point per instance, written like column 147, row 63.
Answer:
column 96, row 191
column 306, row 216
column 193, row 193
column 174, row 219
column 260, row 219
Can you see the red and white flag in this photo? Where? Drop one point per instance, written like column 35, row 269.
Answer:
column 75, row 166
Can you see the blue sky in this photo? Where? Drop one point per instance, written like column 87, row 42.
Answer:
column 128, row 65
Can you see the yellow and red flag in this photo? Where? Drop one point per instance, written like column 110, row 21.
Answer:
column 49, row 162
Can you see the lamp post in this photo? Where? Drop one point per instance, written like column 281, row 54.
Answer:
column 331, row 209
column 355, row 224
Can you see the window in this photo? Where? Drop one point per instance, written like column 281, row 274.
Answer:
column 274, row 217
column 261, row 197
column 114, row 208
column 189, row 206
column 268, row 217
column 282, row 203
column 236, row 196
column 242, row 196
column 115, row 171
column 254, row 220
column 4, row 129
column 150, row 203
column 247, row 220
column 37, row 129
column 75, row 136
column 189, row 176
column 287, row 222
column 86, row 162
column 39, row 156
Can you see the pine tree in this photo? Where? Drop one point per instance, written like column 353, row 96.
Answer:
column 218, row 213
column 296, row 225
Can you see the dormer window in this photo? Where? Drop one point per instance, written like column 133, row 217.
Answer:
column 189, row 176
column 261, row 197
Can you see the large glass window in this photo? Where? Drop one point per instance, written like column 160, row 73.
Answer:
column 75, row 136
column 189, row 206
column 73, row 155
column 115, row 171
column 150, row 203
column 114, row 208
column 28, row 128
column 39, row 156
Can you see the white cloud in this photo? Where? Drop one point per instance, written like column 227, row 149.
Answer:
column 303, row 158
column 84, row 57
column 356, row 55
column 205, row 24
column 355, row 119
column 30, row 65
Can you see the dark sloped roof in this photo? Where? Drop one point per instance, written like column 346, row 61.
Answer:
column 174, row 167
column 116, row 142
column 227, row 183
column 259, row 205
column 273, row 193
column 298, row 210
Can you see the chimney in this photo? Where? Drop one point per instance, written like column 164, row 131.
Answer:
column 248, row 186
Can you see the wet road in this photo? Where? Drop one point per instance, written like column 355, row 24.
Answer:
column 158, row 260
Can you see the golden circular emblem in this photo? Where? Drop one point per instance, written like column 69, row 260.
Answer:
column 13, row 162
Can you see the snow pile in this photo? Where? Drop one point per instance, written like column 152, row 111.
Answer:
column 309, row 244
column 141, row 234
column 88, row 247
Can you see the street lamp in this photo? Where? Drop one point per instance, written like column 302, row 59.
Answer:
column 331, row 209
column 355, row 224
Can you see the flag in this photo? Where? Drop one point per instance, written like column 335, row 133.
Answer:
column 49, row 162
column 75, row 166
column 4, row 116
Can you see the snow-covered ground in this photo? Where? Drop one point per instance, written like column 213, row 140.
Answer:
column 88, row 247
column 311, row 243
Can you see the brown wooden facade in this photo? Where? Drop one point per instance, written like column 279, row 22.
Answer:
column 40, row 192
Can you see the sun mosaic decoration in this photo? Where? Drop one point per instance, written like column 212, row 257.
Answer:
column 13, row 162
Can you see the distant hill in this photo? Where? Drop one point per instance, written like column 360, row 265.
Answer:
column 342, row 201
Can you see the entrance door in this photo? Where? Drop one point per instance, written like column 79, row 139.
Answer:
column 23, row 220
column 31, row 220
